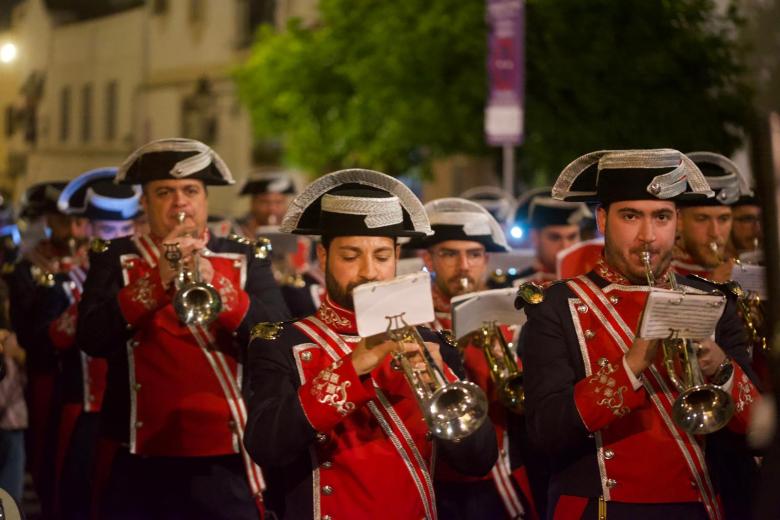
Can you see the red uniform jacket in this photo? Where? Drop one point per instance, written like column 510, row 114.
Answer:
column 348, row 446
column 607, row 439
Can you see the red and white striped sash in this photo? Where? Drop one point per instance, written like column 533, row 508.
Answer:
column 657, row 389
column 335, row 346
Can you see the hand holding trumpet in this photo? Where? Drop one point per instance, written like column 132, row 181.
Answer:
column 371, row 352
column 188, row 246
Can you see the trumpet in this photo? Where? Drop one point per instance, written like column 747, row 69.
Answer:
column 503, row 368
column 195, row 302
column 452, row 411
column 701, row 407
column 715, row 250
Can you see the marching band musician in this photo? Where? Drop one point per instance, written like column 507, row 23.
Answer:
column 301, row 285
column 110, row 209
column 704, row 226
column 456, row 255
column 40, row 291
column 173, row 395
column 555, row 225
column 746, row 232
column 598, row 397
column 326, row 409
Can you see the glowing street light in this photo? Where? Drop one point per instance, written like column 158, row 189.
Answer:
column 8, row 52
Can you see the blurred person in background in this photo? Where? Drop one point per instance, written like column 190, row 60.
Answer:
column 39, row 289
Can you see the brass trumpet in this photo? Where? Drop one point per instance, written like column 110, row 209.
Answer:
column 195, row 302
column 452, row 411
column 701, row 407
column 503, row 368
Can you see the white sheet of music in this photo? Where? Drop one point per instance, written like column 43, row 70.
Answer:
column 408, row 297
column 470, row 311
column 752, row 278
column 670, row 313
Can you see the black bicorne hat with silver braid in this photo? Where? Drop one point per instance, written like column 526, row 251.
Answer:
column 723, row 176
column 356, row 202
column 174, row 159
column 613, row 175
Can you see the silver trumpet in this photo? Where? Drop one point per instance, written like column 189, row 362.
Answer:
column 452, row 411
column 701, row 407
column 195, row 302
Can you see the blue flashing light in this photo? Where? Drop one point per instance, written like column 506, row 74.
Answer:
column 516, row 232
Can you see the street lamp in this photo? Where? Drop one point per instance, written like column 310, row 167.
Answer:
column 8, row 52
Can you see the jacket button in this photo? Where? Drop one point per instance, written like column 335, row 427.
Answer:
column 138, row 424
column 306, row 355
column 134, row 343
column 589, row 334
column 327, row 517
column 91, row 398
column 611, row 482
column 327, row 464
column 609, row 454
column 582, row 309
column 693, row 483
column 322, row 438
column 327, row 490
column 614, row 300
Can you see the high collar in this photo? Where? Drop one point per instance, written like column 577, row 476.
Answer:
column 612, row 275
column 336, row 317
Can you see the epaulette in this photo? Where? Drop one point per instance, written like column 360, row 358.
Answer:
column 447, row 337
column 529, row 293
column 235, row 237
column 499, row 277
column 262, row 248
column 8, row 267
column 267, row 330
column 98, row 245
column 732, row 289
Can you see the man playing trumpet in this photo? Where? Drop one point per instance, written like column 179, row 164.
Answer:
column 172, row 405
column 456, row 255
column 599, row 399
column 330, row 416
column 704, row 226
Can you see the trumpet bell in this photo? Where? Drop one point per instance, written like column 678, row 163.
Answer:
column 197, row 304
column 512, row 394
column 457, row 410
column 703, row 409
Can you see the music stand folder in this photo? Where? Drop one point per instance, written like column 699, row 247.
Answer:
column 470, row 311
column 407, row 296
column 677, row 314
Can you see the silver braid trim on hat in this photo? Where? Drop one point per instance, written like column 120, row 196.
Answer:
column 665, row 186
column 185, row 167
column 378, row 212
column 475, row 219
column 728, row 166
column 374, row 179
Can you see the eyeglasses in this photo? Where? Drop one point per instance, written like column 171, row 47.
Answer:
column 748, row 219
column 450, row 256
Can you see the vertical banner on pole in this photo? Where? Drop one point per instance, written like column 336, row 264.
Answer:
column 505, row 63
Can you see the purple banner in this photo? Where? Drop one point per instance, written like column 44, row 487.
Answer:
column 505, row 63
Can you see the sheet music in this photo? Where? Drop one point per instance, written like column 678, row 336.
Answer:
column 684, row 315
column 408, row 295
column 470, row 311
column 752, row 278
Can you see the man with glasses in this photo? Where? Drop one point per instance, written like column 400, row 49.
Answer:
column 746, row 232
column 456, row 255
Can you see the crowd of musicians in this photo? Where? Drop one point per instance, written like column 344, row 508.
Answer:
column 166, row 364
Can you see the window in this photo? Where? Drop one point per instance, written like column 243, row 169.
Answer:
column 196, row 11
column 64, row 114
column 160, row 6
column 251, row 14
column 111, row 110
column 86, row 113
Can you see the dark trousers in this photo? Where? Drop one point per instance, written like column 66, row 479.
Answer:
column 469, row 500
column 76, row 480
column 625, row 511
column 172, row 488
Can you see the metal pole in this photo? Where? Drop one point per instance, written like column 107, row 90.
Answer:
column 508, row 168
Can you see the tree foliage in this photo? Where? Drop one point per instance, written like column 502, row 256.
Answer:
column 393, row 85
